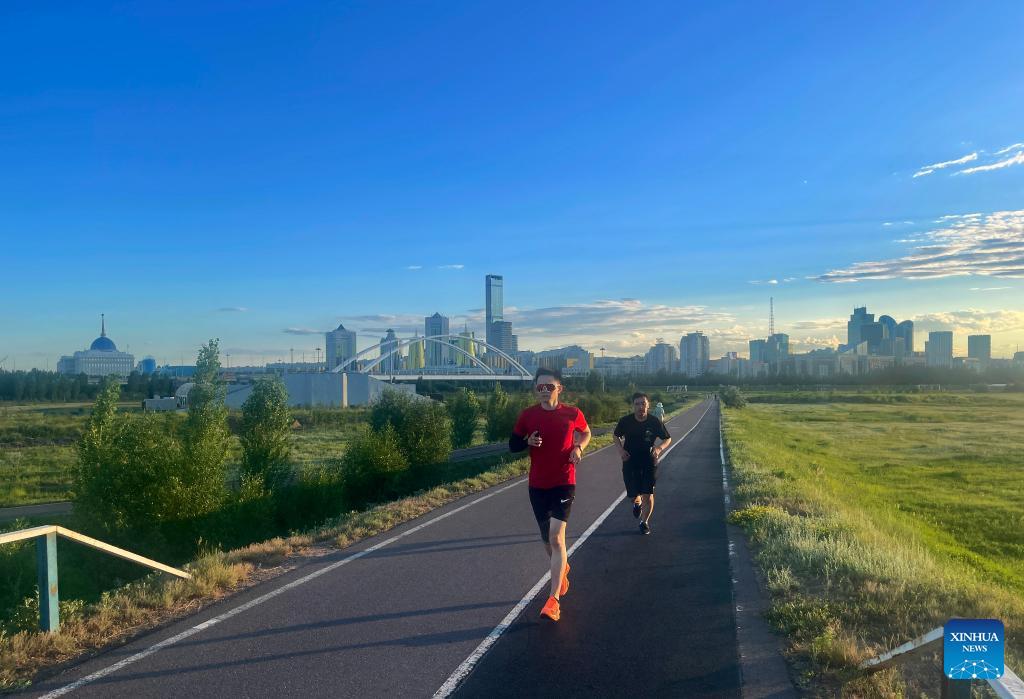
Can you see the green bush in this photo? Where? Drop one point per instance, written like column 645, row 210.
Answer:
column 732, row 398
column 423, row 428
column 372, row 465
column 464, row 409
column 501, row 413
column 266, row 435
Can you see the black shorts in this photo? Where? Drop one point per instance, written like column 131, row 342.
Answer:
column 639, row 478
column 551, row 502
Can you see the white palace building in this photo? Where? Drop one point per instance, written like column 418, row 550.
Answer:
column 100, row 360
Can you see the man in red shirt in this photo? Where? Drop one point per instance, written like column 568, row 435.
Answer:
column 556, row 436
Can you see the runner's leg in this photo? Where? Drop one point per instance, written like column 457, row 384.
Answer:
column 556, row 549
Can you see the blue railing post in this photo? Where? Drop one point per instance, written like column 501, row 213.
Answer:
column 46, row 568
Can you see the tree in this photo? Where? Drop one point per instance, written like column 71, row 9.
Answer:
column 501, row 414
column 595, row 382
column 265, row 434
column 371, row 465
column 732, row 398
column 464, row 409
column 422, row 427
column 205, row 435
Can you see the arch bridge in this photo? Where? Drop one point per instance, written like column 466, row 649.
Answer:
column 478, row 370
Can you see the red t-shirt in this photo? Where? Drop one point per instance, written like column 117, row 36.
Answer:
column 550, row 466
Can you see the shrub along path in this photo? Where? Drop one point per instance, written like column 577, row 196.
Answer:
column 396, row 614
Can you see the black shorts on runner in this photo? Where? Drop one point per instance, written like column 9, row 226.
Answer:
column 639, row 479
column 551, row 502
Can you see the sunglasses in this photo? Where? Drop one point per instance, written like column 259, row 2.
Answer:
column 549, row 387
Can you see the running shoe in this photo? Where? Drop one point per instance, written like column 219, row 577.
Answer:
column 565, row 582
column 645, row 528
column 551, row 609
column 636, row 510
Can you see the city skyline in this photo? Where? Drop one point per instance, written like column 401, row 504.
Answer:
column 262, row 174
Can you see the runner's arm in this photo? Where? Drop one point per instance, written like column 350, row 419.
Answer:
column 517, row 443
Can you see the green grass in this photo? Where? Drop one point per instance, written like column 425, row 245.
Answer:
column 878, row 519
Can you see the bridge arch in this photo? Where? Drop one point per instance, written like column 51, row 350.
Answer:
column 444, row 340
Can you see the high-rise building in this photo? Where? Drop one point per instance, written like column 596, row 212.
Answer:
column 758, row 350
column 436, row 351
column 465, row 342
column 340, row 346
column 853, row 333
column 938, row 349
column 979, row 347
column 694, row 354
column 661, row 357
column 776, row 347
column 392, row 359
column 905, row 330
column 416, row 358
column 498, row 331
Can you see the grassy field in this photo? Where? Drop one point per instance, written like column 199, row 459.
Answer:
column 877, row 517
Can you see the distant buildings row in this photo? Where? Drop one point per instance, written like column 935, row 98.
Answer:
column 871, row 345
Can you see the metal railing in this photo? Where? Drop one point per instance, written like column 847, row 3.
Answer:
column 1009, row 686
column 46, row 565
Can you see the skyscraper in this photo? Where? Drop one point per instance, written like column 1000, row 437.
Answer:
column 498, row 331
column 436, row 351
column 906, row 331
column 776, row 347
column 694, row 354
column 340, row 346
column 853, row 333
column 938, row 349
column 979, row 347
column 393, row 361
column 758, row 351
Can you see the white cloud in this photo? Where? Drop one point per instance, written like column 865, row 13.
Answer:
column 929, row 169
column 451, row 266
column 302, row 331
column 990, row 288
column 972, row 321
column 1017, row 159
column 988, row 245
column 414, row 267
column 767, row 281
column 1015, row 146
column 820, row 324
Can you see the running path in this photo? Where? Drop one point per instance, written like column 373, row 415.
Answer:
column 645, row 616
column 397, row 614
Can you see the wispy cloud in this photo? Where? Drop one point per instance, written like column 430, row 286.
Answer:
column 929, row 169
column 987, row 245
column 990, row 288
column 451, row 266
column 820, row 324
column 415, row 267
column 758, row 282
column 1015, row 146
column 1017, row 159
column 233, row 309
column 302, row 331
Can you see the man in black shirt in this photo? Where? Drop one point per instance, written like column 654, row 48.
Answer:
column 635, row 437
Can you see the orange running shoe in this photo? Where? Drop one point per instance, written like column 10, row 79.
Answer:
column 551, row 609
column 565, row 582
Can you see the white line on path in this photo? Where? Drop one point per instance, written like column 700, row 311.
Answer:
column 260, row 600
column 463, row 670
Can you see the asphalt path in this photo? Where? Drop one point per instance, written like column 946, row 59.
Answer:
column 398, row 614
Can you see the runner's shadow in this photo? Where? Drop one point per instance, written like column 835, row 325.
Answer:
column 349, row 621
column 417, row 641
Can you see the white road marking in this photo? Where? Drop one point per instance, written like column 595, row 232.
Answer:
column 88, row 679
column 463, row 670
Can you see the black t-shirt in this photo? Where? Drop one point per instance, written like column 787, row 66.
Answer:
column 640, row 436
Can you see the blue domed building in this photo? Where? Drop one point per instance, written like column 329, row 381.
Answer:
column 100, row 360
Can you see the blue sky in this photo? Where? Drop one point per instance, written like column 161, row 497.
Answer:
column 260, row 171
